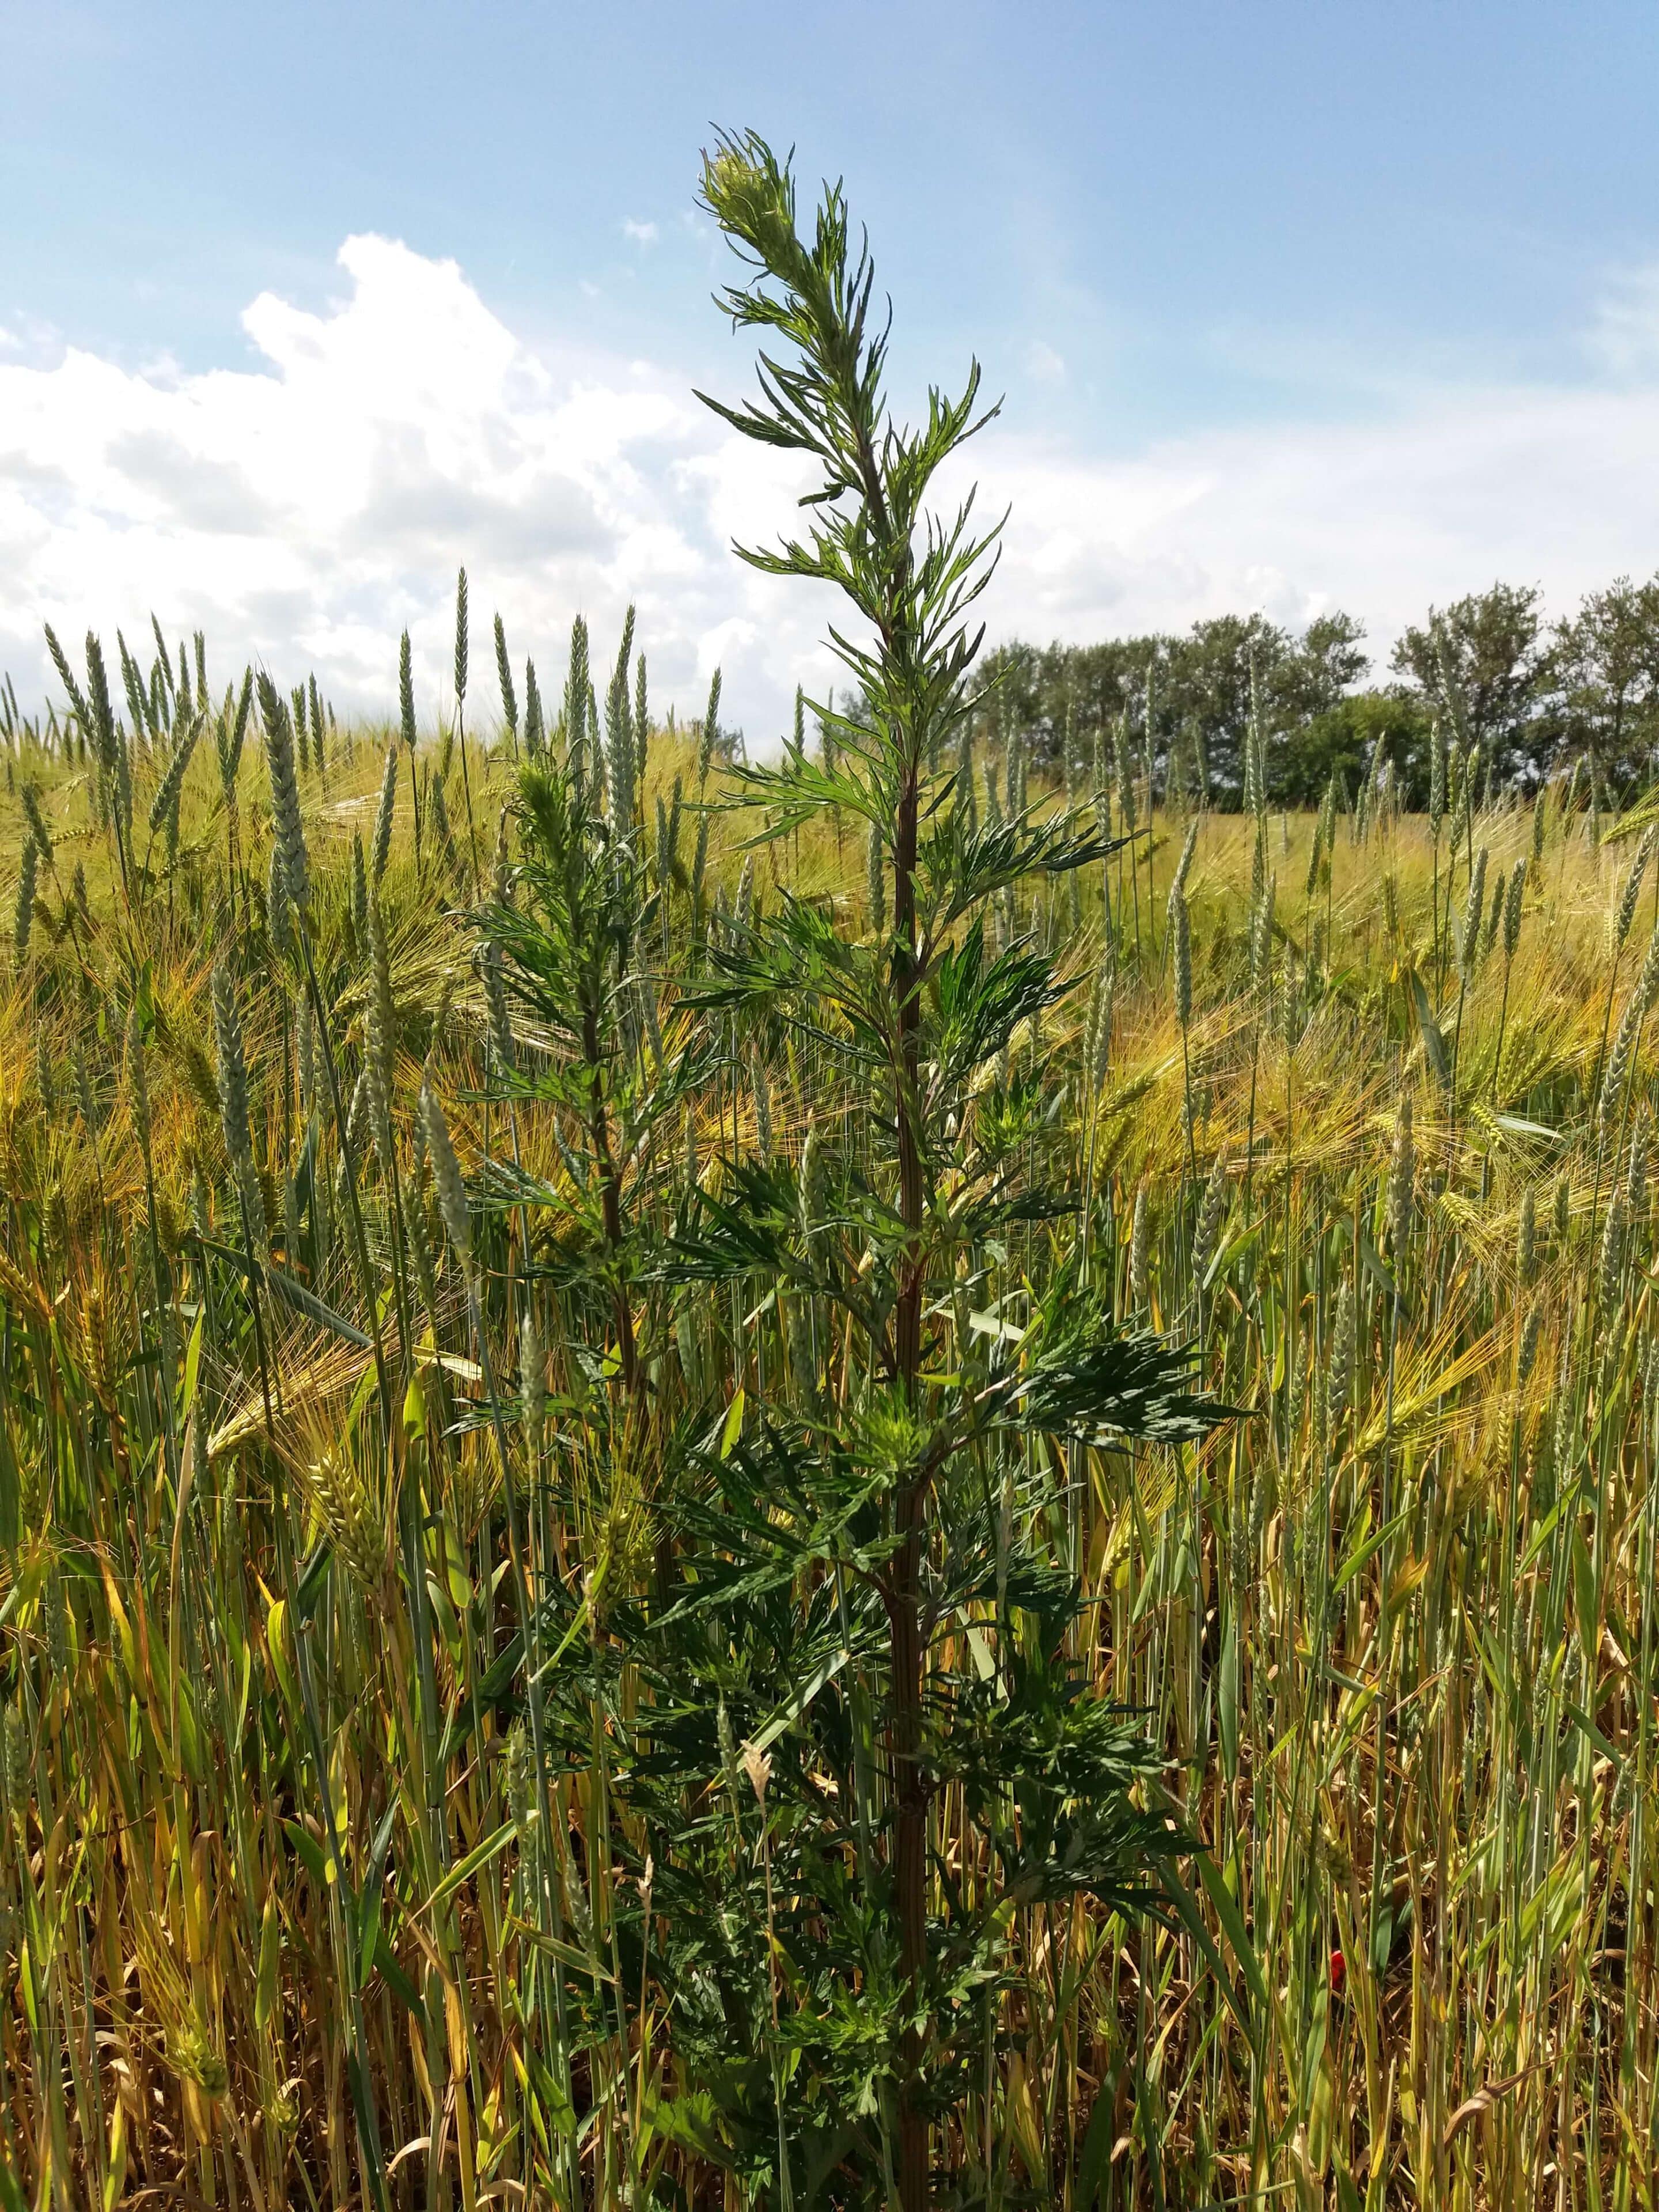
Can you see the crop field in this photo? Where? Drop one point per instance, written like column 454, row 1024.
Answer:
column 1392, row 1632
column 715, row 1495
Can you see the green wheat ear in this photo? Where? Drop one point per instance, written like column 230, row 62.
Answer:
column 385, row 814
column 504, row 677
column 290, row 843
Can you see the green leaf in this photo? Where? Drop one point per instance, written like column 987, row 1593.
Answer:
column 1186, row 1907
column 374, row 1876
column 479, row 1856
column 282, row 1285
column 1096, row 2149
column 1107, row 1385
column 395, row 1979
column 310, row 1851
column 733, row 1425
column 788, row 1714
column 1366, row 1551
column 1232, row 1922
column 1433, row 1043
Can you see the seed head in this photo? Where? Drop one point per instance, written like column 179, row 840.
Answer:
column 279, row 912
column 438, row 807
column 357, row 1116
column 1207, row 1231
column 1526, row 1236
column 504, row 677
column 232, row 1069
column 1632, row 889
column 1611, row 1272
column 1635, row 1174
column 1647, row 982
column 461, row 640
column 1183, row 961
column 502, row 876
column 285, row 793
column 1338, row 1379
column 1512, row 909
column 17, row 1766
column 534, row 727
column 36, row 819
column 1402, row 1179
column 381, row 847
column 763, row 1114
column 1471, row 944
column 500, row 1028
column 1261, row 937
column 359, row 887
column 1178, row 881
column 621, row 758
column 1139, row 1251
column 519, row 1774
column 23, row 920
column 1098, row 1025
column 346, row 1512
column 1619, row 1063
column 164, row 807
column 446, row 1176
column 711, row 726
column 1564, row 1436
column 532, row 1378
column 1126, row 778
column 406, row 692
column 1527, row 1357
column 746, row 906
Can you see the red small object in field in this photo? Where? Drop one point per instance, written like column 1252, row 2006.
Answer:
column 1338, row 1972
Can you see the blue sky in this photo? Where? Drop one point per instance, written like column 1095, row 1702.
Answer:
column 1215, row 256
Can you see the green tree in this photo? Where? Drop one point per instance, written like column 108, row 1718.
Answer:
column 1606, row 660
column 1205, row 691
column 1326, row 663
column 1200, row 688
column 1352, row 738
column 1483, row 663
column 1036, row 688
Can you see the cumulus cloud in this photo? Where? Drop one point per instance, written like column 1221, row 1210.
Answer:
column 306, row 509
column 1449, row 492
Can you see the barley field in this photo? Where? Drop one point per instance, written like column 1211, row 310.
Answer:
column 445, row 1753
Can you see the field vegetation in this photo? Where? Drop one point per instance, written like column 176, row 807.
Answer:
column 923, row 1478
column 1538, row 699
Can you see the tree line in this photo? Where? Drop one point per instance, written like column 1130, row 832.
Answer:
column 1525, row 698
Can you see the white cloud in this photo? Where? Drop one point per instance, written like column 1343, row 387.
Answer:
column 1453, row 489
column 1044, row 364
column 642, row 233
column 305, row 510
